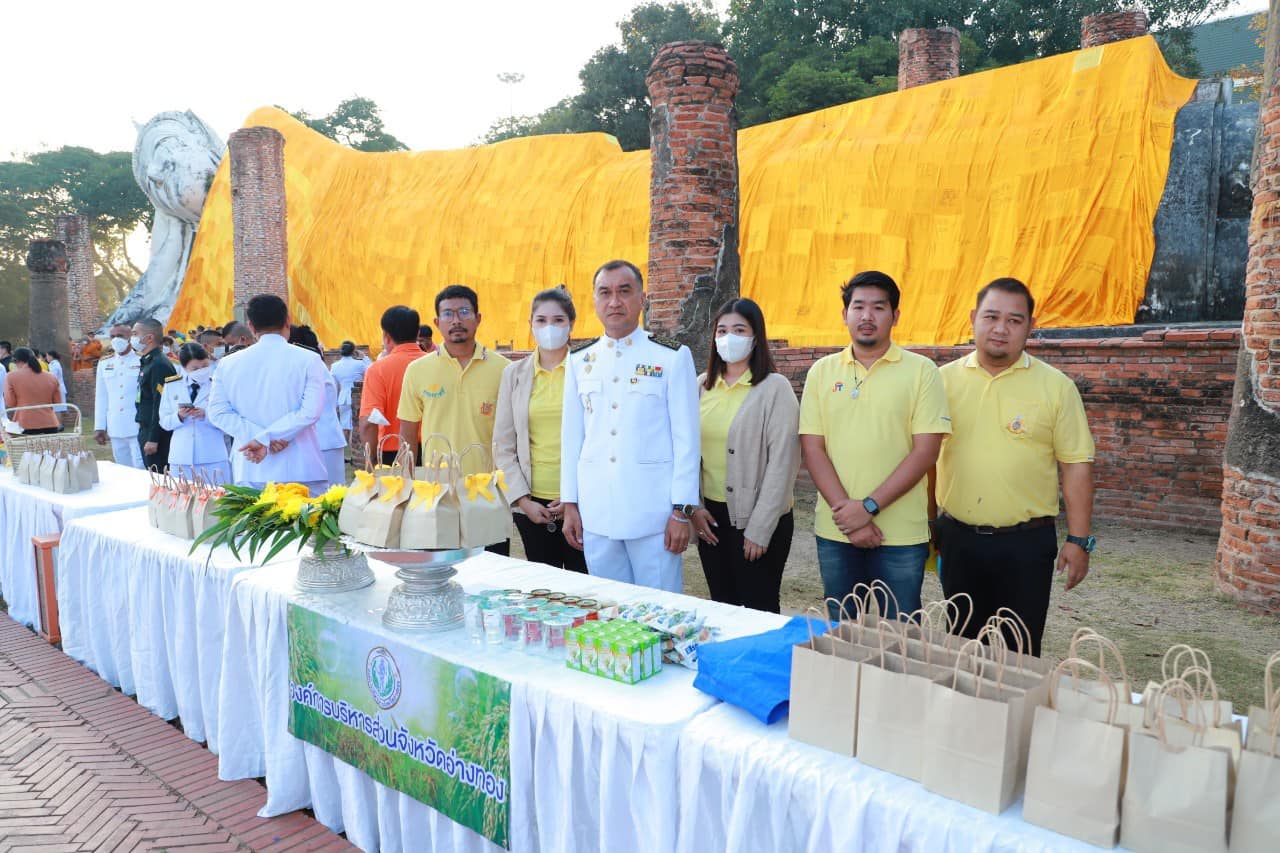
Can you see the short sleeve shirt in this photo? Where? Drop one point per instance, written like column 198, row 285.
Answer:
column 457, row 402
column 382, row 383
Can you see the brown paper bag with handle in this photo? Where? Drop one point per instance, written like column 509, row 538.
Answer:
column 64, row 482
column 1255, row 819
column 892, row 706
column 1092, row 698
column 1175, row 798
column 484, row 512
column 1261, row 720
column 47, row 462
column 1076, row 765
column 824, row 690
column 431, row 518
column 1222, row 732
column 978, row 732
column 154, row 497
column 363, row 489
column 380, row 520
column 1177, row 660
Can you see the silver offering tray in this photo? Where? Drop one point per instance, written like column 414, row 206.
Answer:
column 331, row 570
column 427, row 600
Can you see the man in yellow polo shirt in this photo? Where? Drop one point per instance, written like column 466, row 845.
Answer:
column 1015, row 421
column 872, row 418
column 454, row 390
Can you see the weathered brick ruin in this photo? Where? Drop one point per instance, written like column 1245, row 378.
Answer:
column 927, row 56
column 47, row 261
column 1112, row 26
column 82, row 289
column 258, row 214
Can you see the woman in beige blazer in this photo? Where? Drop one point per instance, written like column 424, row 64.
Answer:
column 750, row 455
column 526, row 433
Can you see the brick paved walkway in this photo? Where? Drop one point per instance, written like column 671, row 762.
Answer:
column 83, row 767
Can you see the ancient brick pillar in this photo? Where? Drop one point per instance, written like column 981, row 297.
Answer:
column 82, row 289
column 693, row 201
column 927, row 56
column 258, row 215
column 1248, row 561
column 1112, row 26
column 47, row 261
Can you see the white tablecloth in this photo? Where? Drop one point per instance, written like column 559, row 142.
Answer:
column 593, row 763
column 27, row 511
column 145, row 615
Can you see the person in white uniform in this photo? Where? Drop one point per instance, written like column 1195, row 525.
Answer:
column 55, row 370
column 269, row 397
column 347, row 370
column 333, row 444
column 198, row 448
column 629, row 442
column 115, row 408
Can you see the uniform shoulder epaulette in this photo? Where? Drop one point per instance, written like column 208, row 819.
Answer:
column 582, row 345
column 173, row 378
column 665, row 342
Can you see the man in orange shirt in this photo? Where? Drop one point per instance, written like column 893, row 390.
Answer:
column 383, row 379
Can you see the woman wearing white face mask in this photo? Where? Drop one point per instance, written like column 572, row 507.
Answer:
column 750, row 456
column 197, row 446
column 526, row 433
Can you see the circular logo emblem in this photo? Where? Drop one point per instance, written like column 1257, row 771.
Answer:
column 383, row 677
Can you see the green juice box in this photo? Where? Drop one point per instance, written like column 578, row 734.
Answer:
column 589, row 658
column 572, row 649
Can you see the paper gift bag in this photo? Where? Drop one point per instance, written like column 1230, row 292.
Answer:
column 431, row 519
column 893, row 701
column 168, row 505
column 1092, row 698
column 381, row 519
column 1177, row 660
column 1075, row 765
column 202, row 509
column 1262, row 720
column 47, row 462
column 1255, row 819
column 62, row 481
column 977, row 735
column 180, row 511
column 824, row 691
column 154, row 497
column 483, row 510
column 1182, row 725
column 91, row 462
column 82, row 471
column 1175, row 798
column 29, row 467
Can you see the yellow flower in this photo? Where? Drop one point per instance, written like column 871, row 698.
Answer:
column 295, row 490
column 333, row 498
column 268, row 495
column 291, row 508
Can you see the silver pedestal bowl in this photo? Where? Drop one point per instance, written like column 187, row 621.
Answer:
column 426, row 600
column 332, row 570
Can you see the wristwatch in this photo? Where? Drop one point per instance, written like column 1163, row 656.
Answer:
column 687, row 510
column 1088, row 543
column 870, row 505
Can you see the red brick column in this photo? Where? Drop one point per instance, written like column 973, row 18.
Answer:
column 82, row 289
column 258, row 215
column 927, row 56
column 1112, row 26
column 47, row 261
column 693, row 203
column 1248, row 562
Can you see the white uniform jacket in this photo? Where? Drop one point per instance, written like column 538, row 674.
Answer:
column 115, row 405
column 328, row 430
column 267, row 391
column 348, row 371
column 195, row 441
column 630, row 434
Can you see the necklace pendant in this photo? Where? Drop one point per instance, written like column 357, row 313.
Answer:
column 854, row 393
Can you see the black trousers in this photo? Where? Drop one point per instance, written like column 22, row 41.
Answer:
column 735, row 580
column 548, row 546
column 42, row 431
column 160, row 458
column 1013, row 570
column 503, row 548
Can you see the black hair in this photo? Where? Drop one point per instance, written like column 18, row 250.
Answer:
column 7, row 346
column 303, row 336
column 761, row 359
column 152, row 326
column 458, row 291
column 424, row 331
column 267, row 312
column 53, row 356
column 348, row 349
column 188, row 353
column 1009, row 285
column 618, row 264
column 560, row 296
column 400, row 322
column 208, row 333
column 872, row 278
column 24, row 355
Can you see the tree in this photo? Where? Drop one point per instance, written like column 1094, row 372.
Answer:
column 356, row 123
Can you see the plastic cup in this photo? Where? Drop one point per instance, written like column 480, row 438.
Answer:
column 553, row 635
column 512, row 624
column 531, row 632
column 494, row 624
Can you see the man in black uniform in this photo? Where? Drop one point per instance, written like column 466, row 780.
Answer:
column 155, row 370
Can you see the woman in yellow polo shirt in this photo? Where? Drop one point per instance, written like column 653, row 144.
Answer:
column 750, row 456
column 526, row 433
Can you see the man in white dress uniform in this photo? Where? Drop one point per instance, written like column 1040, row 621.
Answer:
column 115, row 405
column 629, row 442
column 268, row 397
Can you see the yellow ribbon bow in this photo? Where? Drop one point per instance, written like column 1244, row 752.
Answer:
column 500, row 479
column 364, row 481
column 391, row 487
column 425, row 492
column 479, row 484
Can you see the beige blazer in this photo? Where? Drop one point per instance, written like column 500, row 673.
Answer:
column 511, row 427
column 763, row 457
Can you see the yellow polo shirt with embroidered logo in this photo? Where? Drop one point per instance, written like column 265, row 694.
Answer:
column 716, row 411
column 448, row 399
column 1010, row 431
column 546, row 406
column 868, row 418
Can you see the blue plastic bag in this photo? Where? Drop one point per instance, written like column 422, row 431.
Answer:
column 754, row 672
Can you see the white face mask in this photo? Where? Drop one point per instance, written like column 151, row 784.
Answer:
column 551, row 337
column 166, row 349
column 734, row 347
column 136, row 343
column 200, row 375
column 120, row 345
column 219, row 351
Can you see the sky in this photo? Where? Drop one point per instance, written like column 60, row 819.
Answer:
column 85, row 75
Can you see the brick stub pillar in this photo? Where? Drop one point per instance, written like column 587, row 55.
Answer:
column 927, row 56
column 693, row 202
column 82, row 289
column 1248, row 560
column 258, row 215
column 1107, row 27
column 47, row 261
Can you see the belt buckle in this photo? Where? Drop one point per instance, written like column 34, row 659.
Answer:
column 984, row 530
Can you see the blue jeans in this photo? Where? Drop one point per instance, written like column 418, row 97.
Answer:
column 900, row 567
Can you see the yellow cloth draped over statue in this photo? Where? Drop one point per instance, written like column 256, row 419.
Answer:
column 1049, row 171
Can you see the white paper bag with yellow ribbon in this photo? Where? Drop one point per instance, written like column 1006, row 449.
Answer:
column 431, row 520
column 363, row 489
column 381, row 519
column 484, row 511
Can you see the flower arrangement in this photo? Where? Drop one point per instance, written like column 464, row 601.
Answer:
column 274, row 518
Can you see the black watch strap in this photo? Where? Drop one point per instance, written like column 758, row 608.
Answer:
column 870, row 505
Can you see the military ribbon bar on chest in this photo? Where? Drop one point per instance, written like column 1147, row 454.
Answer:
column 651, row 370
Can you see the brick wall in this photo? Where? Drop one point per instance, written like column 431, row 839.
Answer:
column 260, row 240
column 1112, row 26
column 48, row 325
column 82, row 290
column 927, row 56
